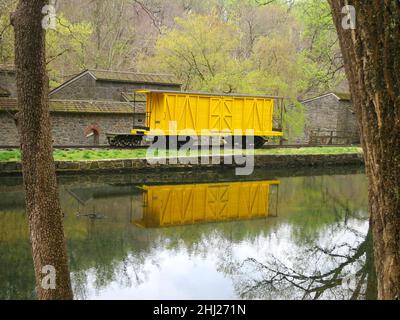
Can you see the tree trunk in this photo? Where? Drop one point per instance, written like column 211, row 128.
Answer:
column 42, row 198
column 371, row 291
column 371, row 54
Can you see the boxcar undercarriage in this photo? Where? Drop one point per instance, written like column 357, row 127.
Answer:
column 127, row 141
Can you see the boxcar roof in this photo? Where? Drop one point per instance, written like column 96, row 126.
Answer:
column 212, row 94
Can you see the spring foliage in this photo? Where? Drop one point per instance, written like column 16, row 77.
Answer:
column 286, row 48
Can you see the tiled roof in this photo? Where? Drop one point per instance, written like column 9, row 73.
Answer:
column 341, row 96
column 4, row 92
column 124, row 76
column 75, row 106
column 72, row 106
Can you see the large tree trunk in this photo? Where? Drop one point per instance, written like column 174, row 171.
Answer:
column 371, row 291
column 372, row 59
column 42, row 198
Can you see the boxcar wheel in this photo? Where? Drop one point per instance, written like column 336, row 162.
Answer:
column 125, row 143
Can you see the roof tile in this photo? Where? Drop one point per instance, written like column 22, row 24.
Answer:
column 72, row 106
column 134, row 77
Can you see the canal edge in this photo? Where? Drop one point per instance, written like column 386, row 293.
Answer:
column 134, row 165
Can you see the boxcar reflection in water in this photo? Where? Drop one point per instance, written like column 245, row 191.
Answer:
column 174, row 205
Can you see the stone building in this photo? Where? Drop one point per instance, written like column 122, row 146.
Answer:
column 330, row 119
column 111, row 85
column 8, row 83
column 86, row 107
column 74, row 123
column 107, row 85
column 96, row 102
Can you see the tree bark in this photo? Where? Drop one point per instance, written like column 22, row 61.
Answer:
column 41, row 192
column 371, row 54
column 371, row 291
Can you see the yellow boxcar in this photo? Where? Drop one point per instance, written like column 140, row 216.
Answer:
column 204, row 113
column 174, row 205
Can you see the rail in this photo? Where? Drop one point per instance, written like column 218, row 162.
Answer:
column 286, row 146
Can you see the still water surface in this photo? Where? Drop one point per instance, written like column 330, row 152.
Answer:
column 274, row 235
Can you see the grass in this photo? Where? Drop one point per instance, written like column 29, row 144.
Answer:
column 311, row 150
column 78, row 154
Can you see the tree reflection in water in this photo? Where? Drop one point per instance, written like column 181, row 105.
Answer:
column 338, row 270
column 324, row 251
column 321, row 223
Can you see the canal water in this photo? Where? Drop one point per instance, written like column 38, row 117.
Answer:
column 202, row 235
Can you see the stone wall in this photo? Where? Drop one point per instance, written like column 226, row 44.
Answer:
column 8, row 130
column 109, row 90
column 137, row 165
column 69, row 128
column 347, row 120
column 139, row 120
column 330, row 114
column 80, row 89
column 8, row 81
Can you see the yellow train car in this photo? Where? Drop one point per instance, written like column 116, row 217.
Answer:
column 211, row 114
column 177, row 205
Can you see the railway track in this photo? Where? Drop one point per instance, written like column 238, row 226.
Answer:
column 290, row 146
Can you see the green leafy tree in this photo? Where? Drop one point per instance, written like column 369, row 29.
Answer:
column 66, row 49
column 321, row 48
column 6, row 32
column 200, row 51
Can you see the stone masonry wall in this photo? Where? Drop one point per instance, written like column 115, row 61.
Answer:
column 8, row 130
column 81, row 89
column 347, row 121
column 108, row 90
column 330, row 114
column 321, row 114
column 8, row 81
column 137, row 165
column 69, row 129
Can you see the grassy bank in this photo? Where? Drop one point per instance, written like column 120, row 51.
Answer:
column 100, row 154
